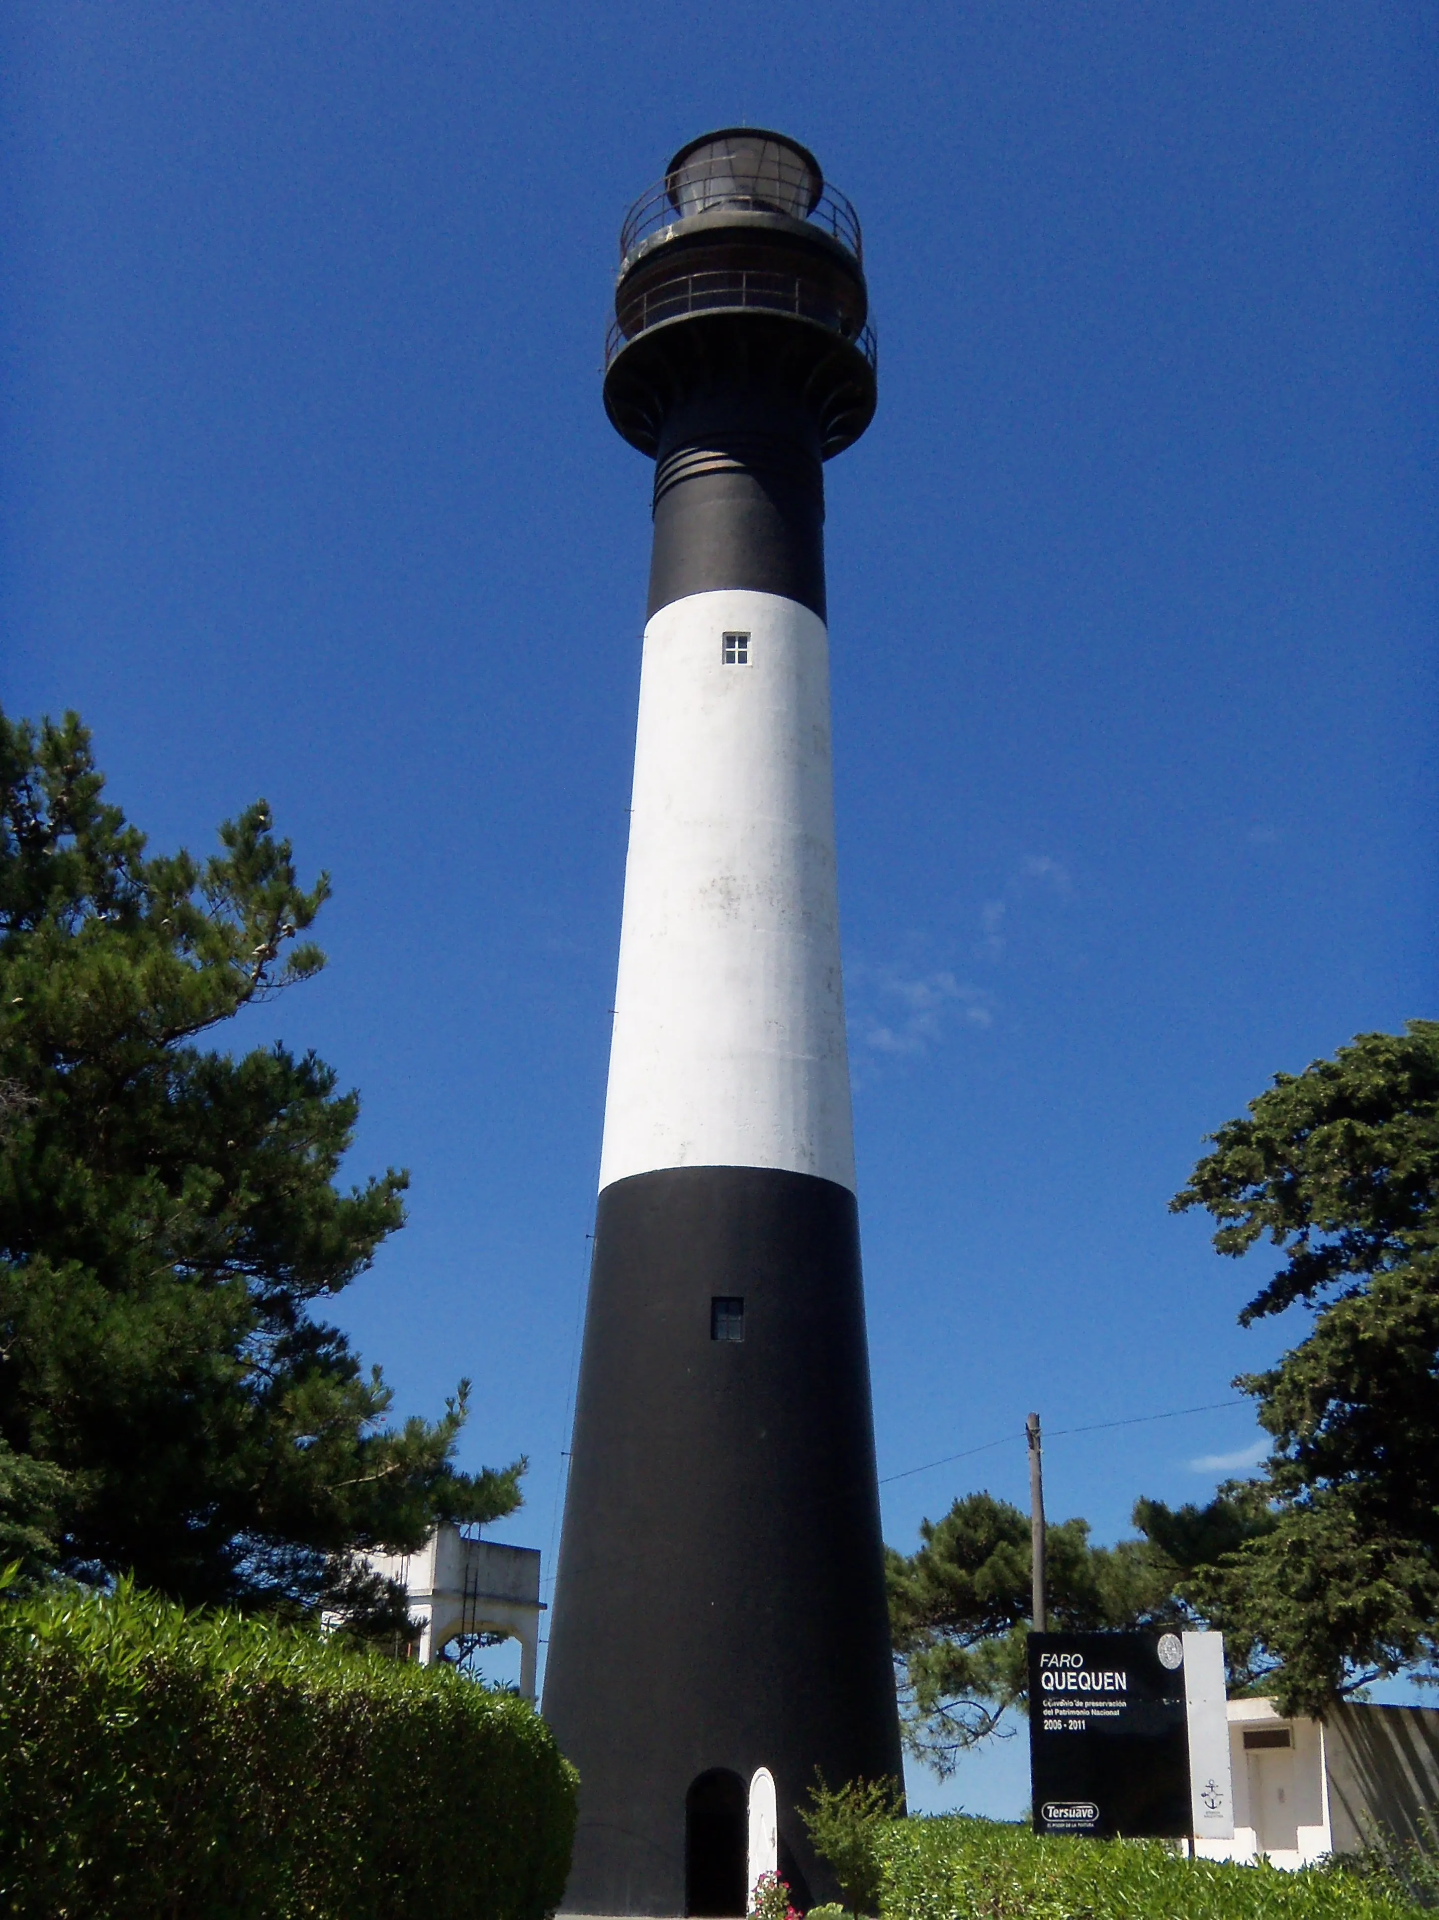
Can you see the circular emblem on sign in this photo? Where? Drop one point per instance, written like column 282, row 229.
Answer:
column 1171, row 1651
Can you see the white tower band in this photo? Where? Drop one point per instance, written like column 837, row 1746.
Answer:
column 720, row 1612
column 729, row 1041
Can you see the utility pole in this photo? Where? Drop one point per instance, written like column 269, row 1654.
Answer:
column 1036, row 1521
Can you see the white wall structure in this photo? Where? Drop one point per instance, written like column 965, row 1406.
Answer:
column 729, row 1036
column 458, row 1586
column 1304, row 1788
column 763, row 1829
column 1280, row 1802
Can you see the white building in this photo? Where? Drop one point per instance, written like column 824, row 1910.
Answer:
column 1304, row 1788
column 458, row 1587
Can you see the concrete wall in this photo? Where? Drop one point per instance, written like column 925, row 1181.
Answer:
column 1383, row 1765
column 1279, row 1800
column 458, row 1586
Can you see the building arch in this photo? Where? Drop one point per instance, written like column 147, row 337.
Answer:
column 458, row 1587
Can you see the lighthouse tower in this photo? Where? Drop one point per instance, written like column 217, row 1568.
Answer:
column 720, row 1604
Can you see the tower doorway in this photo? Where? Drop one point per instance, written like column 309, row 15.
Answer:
column 716, row 1845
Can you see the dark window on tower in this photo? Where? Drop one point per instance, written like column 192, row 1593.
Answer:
column 726, row 1317
column 736, row 651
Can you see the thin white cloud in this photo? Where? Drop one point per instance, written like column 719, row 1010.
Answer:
column 928, row 1002
column 1039, row 866
column 1249, row 1456
column 1036, row 873
column 922, row 996
column 886, row 1040
column 991, row 919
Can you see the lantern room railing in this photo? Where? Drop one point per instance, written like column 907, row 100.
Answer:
column 739, row 289
column 711, row 186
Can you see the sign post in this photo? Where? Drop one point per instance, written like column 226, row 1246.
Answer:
column 1127, row 1734
column 1211, row 1795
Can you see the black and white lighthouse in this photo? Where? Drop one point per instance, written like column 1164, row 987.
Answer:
column 720, row 1604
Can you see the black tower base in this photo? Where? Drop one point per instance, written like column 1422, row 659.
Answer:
column 722, row 1560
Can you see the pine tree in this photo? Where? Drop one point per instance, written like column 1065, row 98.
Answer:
column 959, row 1613
column 170, row 1405
column 1324, row 1570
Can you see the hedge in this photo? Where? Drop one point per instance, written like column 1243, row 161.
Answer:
column 952, row 1868
column 157, row 1763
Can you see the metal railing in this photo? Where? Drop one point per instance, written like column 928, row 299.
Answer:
column 745, row 289
column 712, row 186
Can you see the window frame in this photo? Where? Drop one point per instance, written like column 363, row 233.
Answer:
column 727, row 1314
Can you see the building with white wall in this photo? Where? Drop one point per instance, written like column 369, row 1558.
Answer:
column 459, row 1587
column 1305, row 1788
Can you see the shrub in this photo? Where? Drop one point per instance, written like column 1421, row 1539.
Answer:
column 951, row 1868
column 845, row 1827
column 1408, row 1868
column 155, row 1763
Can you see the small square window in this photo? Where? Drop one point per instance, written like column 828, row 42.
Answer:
column 726, row 1317
column 736, row 649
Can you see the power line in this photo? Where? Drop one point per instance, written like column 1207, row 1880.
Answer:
column 1100, row 1426
column 1008, row 1439
column 1143, row 1419
column 908, row 1471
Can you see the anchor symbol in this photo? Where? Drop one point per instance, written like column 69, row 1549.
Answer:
column 1212, row 1794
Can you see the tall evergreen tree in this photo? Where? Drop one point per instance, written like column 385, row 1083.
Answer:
column 170, row 1405
column 1325, row 1569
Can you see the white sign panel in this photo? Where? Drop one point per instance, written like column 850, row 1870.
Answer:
column 1210, row 1786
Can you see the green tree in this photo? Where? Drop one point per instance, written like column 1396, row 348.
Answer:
column 1337, row 1581
column 1186, row 1542
column 960, row 1611
column 170, row 1405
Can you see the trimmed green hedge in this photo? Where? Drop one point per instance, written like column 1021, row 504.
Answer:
column 951, row 1868
column 158, row 1763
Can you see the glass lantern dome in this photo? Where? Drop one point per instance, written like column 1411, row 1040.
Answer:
column 746, row 168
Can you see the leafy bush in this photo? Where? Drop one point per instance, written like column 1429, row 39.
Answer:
column 951, row 1868
column 845, row 1827
column 1406, row 1868
column 155, row 1763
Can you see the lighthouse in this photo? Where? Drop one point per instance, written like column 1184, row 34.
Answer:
column 720, row 1603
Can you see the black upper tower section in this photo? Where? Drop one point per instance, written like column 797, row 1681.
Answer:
column 740, row 357
column 741, row 259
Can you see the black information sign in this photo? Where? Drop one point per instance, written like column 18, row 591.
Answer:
column 1108, row 1741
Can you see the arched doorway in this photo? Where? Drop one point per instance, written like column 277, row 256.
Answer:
column 495, row 1659
column 716, row 1842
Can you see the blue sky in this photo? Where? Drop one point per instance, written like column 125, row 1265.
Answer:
column 308, row 493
